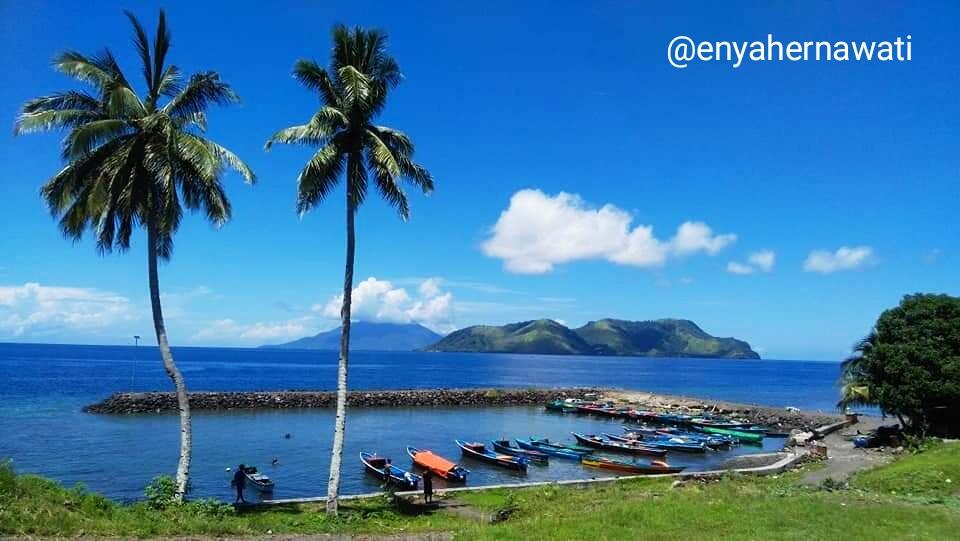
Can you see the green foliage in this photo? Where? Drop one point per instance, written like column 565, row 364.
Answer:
column 353, row 91
column 131, row 160
column 161, row 492
column 909, row 365
column 665, row 337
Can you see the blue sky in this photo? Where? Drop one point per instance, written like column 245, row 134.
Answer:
column 512, row 105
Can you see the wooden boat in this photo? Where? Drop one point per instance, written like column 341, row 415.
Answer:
column 663, row 442
column 729, row 425
column 743, row 437
column 547, row 443
column 631, row 448
column 653, row 467
column 443, row 468
column 256, row 480
column 552, row 451
column 479, row 451
column 505, row 447
column 563, row 406
column 398, row 477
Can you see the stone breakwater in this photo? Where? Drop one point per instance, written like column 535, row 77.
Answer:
column 124, row 403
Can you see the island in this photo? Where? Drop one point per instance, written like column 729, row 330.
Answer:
column 657, row 338
column 369, row 336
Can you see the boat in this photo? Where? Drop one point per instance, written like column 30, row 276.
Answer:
column 663, row 442
column 378, row 467
column 505, row 447
column 549, row 450
column 712, row 441
column 257, row 480
column 547, row 443
column 440, row 466
column 739, row 435
column 631, row 448
column 563, row 406
column 653, row 467
column 479, row 451
column 729, row 425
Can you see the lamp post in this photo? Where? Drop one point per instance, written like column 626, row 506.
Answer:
column 133, row 374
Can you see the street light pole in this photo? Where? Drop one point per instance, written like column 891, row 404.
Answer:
column 133, row 374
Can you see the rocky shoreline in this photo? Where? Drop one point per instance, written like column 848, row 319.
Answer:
column 126, row 403
column 778, row 419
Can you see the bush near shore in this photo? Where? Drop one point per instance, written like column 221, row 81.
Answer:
column 915, row 497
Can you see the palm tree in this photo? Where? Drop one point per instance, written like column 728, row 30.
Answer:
column 854, row 380
column 352, row 93
column 132, row 162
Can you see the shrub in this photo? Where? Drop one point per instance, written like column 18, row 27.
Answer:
column 161, row 492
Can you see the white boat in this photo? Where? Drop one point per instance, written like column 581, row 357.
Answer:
column 257, row 480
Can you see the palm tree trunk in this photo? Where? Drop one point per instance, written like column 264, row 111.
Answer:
column 333, row 484
column 183, row 402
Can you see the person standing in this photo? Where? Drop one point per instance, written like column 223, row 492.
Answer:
column 428, row 486
column 240, row 482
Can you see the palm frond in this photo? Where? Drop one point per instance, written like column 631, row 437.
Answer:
column 315, row 78
column 83, row 139
column 171, row 82
column 53, row 120
column 142, row 43
column 319, row 177
column 202, row 90
column 83, row 69
column 322, row 126
column 161, row 44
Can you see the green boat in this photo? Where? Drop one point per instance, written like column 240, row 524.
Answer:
column 748, row 437
column 562, row 406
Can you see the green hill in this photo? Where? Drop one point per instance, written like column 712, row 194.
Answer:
column 660, row 338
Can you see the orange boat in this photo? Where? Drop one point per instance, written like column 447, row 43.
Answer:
column 440, row 466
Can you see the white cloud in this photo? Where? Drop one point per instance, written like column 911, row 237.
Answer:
column 33, row 309
column 739, row 268
column 763, row 260
column 757, row 261
column 228, row 329
column 538, row 231
column 845, row 258
column 380, row 300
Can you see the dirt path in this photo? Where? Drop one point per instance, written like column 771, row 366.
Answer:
column 843, row 459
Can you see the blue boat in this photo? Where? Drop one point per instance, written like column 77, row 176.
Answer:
column 664, row 442
column 479, row 451
column 552, row 451
column 505, row 447
column 378, row 467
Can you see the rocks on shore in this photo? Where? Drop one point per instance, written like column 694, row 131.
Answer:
column 158, row 402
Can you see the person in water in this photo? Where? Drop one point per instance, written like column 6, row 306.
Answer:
column 428, row 486
column 240, row 482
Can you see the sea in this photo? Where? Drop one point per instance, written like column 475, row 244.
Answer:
column 43, row 429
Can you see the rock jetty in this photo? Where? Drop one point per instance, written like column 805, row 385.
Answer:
column 165, row 402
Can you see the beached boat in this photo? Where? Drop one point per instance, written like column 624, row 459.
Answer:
column 504, row 446
column 550, row 450
column 479, row 451
column 739, row 435
column 664, row 442
column 378, row 467
column 653, row 467
column 440, row 466
column 592, row 440
column 256, row 480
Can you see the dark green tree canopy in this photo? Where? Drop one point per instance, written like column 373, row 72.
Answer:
column 352, row 94
column 909, row 365
column 130, row 159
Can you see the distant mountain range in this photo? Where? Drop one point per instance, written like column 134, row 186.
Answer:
column 366, row 335
column 659, row 338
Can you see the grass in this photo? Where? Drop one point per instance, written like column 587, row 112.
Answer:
column 933, row 473
column 909, row 498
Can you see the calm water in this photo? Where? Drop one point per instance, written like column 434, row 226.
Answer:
column 44, row 387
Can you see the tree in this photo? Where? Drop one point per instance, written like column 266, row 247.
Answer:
column 909, row 365
column 352, row 94
column 131, row 162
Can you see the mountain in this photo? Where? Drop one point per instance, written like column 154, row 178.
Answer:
column 365, row 335
column 660, row 338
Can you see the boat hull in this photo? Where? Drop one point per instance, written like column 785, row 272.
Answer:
column 439, row 466
column 531, row 455
column 627, row 467
column 509, row 462
column 619, row 447
column 397, row 477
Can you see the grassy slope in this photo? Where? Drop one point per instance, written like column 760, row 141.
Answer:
column 735, row 508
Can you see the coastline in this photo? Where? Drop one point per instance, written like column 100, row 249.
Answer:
column 165, row 402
